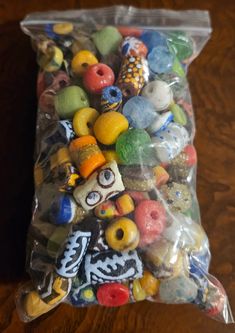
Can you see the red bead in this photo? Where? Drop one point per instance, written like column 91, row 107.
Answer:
column 191, row 153
column 216, row 299
column 113, row 294
column 97, row 77
column 150, row 218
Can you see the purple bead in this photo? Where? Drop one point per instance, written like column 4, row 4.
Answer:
column 139, row 111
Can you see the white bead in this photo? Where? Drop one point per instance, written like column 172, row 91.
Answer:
column 159, row 93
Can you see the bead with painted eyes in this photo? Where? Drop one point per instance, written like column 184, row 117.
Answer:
column 103, row 184
column 122, row 235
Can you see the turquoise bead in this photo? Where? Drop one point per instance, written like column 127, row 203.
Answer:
column 134, row 147
column 107, row 40
column 69, row 100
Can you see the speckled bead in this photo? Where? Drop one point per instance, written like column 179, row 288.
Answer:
column 177, row 196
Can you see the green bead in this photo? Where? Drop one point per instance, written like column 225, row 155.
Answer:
column 134, row 147
column 179, row 114
column 69, row 100
column 107, row 40
column 177, row 68
column 181, row 44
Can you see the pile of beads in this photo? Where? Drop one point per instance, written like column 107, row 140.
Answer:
column 117, row 218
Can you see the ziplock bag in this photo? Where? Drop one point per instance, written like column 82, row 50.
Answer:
column 116, row 217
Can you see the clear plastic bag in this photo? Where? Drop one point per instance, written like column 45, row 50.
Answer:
column 116, row 217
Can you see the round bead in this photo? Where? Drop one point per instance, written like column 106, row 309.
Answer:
column 178, row 114
column 109, row 126
column 82, row 60
column 34, row 306
column 63, row 209
column 139, row 111
column 69, row 100
column 107, row 40
column 149, row 284
column 160, row 60
column 133, row 146
column 112, row 294
column 181, row 44
column 159, row 93
column 51, row 61
column 111, row 99
column 177, row 196
column 134, row 47
column 84, row 120
column 150, row 218
column 97, row 77
column 170, row 142
column 125, row 204
column 86, row 154
column 160, row 123
column 178, row 290
column 153, row 38
column 63, row 28
column 122, row 235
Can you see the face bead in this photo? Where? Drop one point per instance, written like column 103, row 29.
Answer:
column 150, row 218
column 159, row 93
column 109, row 126
column 82, row 60
column 139, row 111
column 178, row 290
column 69, row 100
column 97, row 77
column 111, row 99
column 177, row 196
column 122, row 235
column 100, row 186
column 112, row 294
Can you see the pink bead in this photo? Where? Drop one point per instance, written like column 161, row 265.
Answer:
column 150, row 218
column 191, row 153
column 97, row 77
column 136, row 196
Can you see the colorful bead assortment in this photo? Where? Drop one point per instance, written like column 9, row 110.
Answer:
column 115, row 218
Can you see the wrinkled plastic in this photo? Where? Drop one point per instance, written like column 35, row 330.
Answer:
column 79, row 259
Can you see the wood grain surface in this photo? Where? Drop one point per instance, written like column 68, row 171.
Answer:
column 212, row 83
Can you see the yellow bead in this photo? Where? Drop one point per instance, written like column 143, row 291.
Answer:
column 84, row 120
column 82, row 60
column 125, row 204
column 138, row 292
column 52, row 60
column 122, row 235
column 34, row 306
column 111, row 155
column 109, row 126
column 63, row 28
column 149, row 283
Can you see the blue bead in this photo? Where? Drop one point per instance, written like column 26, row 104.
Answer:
column 152, row 39
column 49, row 31
column 111, row 98
column 139, row 111
column 160, row 60
column 199, row 264
column 62, row 209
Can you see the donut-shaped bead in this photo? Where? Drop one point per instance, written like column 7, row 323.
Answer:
column 122, row 235
column 82, row 60
column 84, row 120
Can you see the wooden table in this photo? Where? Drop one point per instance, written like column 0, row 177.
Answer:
column 212, row 83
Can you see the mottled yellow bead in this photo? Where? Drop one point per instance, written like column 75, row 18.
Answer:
column 122, row 235
column 52, row 60
column 63, row 28
column 138, row 292
column 82, row 60
column 149, row 283
column 84, row 120
column 125, row 204
column 34, row 306
column 109, row 126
